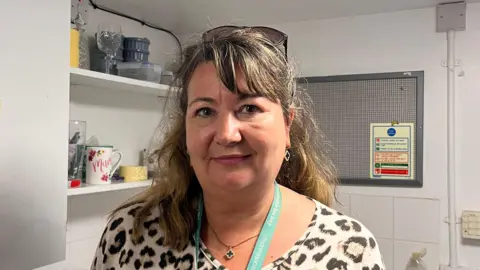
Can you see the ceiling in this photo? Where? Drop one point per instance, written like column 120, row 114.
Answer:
column 195, row 16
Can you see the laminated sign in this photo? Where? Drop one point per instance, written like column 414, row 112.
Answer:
column 391, row 151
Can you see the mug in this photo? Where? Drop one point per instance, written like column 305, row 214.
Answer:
column 99, row 164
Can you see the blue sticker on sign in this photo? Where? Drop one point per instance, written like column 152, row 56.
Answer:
column 391, row 132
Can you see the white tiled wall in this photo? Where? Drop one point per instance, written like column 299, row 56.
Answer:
column 400, row 225
column 416, row 220
column 375, row 212
column 386, row 246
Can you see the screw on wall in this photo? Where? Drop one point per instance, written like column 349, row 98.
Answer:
column 457, row 63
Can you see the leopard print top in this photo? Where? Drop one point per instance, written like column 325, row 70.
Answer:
column 332, row 241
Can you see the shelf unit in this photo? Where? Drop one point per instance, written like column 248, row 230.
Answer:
column 93, row 79
column 91, row 189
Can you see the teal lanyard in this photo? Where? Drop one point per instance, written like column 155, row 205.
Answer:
column 264, row 239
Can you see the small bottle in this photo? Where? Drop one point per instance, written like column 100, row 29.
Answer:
column 415, row 262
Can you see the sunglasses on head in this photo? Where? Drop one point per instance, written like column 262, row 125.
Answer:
column 275, row 36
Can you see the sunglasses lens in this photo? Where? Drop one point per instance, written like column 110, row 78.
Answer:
column 217, row 32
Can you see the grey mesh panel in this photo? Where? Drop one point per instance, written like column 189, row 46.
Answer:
column 344, row 110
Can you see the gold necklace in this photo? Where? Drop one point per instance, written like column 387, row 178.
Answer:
column 230, row 252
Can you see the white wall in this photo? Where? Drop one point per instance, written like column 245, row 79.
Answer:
column 468, row 100
column 404, row 41
column 33, row 128
column 125, row 120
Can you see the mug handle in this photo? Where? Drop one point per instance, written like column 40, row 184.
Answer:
column 115, row 167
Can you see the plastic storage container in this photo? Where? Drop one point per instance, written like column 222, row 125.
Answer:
column 135, row 56
column 140, row 71
column 167, row 77
column 136, row 44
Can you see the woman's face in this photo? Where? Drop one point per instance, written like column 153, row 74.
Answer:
column 234, row 141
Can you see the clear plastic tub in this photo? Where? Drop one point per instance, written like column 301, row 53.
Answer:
column 140, row 71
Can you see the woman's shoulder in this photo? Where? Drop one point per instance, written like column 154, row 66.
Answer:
column 120, row 224
column 119, row 246
column 337, row 221
column 347, row 237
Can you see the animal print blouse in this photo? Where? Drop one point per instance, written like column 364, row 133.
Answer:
column 332, row 241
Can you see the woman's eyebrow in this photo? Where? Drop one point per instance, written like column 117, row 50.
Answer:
column 241, row 96
column 202, row 99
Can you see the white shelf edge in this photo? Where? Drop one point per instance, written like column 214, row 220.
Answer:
column 91, row 189
column 84, row 77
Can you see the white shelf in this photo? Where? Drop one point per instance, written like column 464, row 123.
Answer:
column 95, row 79
column 90, row 189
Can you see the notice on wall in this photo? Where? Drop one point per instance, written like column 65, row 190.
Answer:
column 391, row 151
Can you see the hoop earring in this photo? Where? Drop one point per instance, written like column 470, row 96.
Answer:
column 287, row 155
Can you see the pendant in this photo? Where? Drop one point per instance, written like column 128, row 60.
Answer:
column 230, row 253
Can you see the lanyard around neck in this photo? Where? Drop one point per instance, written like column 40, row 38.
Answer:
column 264, row 239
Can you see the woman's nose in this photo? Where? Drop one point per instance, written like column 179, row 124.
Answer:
column 227, row 130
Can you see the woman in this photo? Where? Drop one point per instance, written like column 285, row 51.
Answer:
column 241, row 183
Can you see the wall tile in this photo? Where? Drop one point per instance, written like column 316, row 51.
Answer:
column 386, row 248
column 85, row 219
column 81, row 253
column 417, row 220
column 375, row 212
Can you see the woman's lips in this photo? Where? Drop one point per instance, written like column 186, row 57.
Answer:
column 231, row 159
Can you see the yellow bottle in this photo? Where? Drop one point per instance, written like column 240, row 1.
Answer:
column 74, row 48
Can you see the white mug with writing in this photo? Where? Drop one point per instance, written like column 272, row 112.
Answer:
column 99, row 164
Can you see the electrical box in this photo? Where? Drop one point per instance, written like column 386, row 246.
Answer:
column 471, row 224
column 451, row 16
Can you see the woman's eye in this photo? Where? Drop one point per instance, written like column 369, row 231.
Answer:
column 249, row 109
column 204, row 112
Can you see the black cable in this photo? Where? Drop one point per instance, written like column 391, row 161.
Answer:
column 95, row 6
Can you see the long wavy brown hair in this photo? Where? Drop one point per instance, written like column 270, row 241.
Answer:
column 267, row 72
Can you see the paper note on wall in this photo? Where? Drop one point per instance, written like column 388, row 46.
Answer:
column 391, row 151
